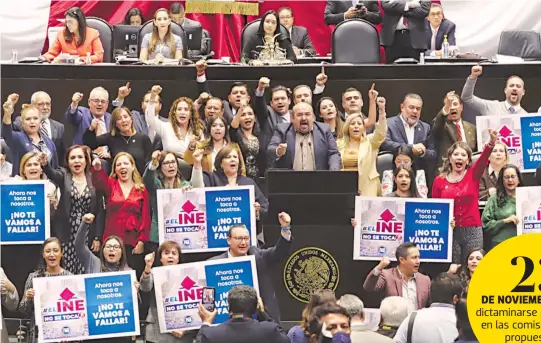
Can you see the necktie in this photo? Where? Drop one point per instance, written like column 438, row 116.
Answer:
column 512, row 110
column 433, row 41
column 43, row 129
column 99, row 129
column 459, row 132
column 405, row 21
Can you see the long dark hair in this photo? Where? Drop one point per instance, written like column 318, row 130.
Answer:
column 501, row 192
column 465, row 273
column 42, row 265
column 338, row 130
column 86, row 152
column 179, row 179
column 413, row 182
column 133, row 12
column 123, row 263
column 208, row 144
column 261, row 30
column 318, row 298
column 77, row 14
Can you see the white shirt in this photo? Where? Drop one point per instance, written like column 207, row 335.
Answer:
column 409, row 290
column 436, row 324
column 433, row 40
column 410, row 130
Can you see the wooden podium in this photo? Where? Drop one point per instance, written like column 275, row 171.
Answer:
column 222, row 7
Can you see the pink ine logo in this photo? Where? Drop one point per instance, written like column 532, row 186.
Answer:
column 190, row 215
column 69, row 303
column 508, row 138
column 389, row 224
column 189, row 292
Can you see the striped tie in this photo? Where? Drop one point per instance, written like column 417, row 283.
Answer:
column 43, row 129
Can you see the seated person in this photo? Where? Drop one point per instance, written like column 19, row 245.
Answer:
column 134, row 17
column 302, row 45
column 178, row 15
column 76, row 39
column 161, row 43
column 269, row 30
column 436, row 28
column 303, row 144
column 338, row 11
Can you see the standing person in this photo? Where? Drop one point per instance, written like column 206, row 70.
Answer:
column 514, row 91
column 134, row 17
column 360, row 333
column 466, row 272
column 78, row 198
column 500, row 215
column 10, row 300
column 128, row 207
column 497, row 159
column 327, row 111
column 169, row 254
column 336, row 11
column 403, row 33
column 299, row 333
column 459, row 181
column 245, row 132
column 404, row 183
column 50, row 265
column 162, row 43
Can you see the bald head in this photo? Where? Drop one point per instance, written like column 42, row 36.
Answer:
column 303, row 117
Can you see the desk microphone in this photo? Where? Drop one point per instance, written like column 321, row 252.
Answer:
column 302, row 156
column 312, row 152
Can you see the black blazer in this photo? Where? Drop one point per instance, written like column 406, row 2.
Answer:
column 242, row 331
column 250, row 51
column 266, row 260
column 335, row 9
column 301, row 39
column 394, row 10
column 61, row 228
column 447, row 27
column 57, row 135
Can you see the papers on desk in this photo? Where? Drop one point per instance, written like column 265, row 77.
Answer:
column 505, row 59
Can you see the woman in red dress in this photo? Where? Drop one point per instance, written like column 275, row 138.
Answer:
column 128, row 207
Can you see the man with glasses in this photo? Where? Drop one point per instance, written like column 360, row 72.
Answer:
column 238, row 239
column 49, row 127
column 437, row 28
column 302, row 45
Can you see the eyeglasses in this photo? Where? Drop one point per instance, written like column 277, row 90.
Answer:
column 169, row 163
column 98, row 101
column 286, row 17
column 240, row 239
column 115, row 247
column 510, row 177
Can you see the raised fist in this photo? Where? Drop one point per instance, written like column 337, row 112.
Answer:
column 263, row 83
column 76, row 98
column 476, row 71
column 201, row 66
column 88, row 218
column 384, row 263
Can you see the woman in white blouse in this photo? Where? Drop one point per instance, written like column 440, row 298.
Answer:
column 184, row 123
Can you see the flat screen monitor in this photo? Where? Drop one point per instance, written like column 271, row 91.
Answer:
column 126, row 38
column 194, row 34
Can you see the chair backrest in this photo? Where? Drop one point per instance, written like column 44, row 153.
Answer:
column 52, row 32
column 185, row 170
column 250, row 30
column 106, row 36
column 475, row 157
column 355, row 41
column 384, row 162
column 177, row 30
column 524, row 44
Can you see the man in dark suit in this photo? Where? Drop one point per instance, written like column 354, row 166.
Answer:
column 302, row 45
column 336, row 11
column 178, row 15
column 436, row 29
column 241, row 327
column 403, row 33
column 138, row 118
column 238, row 239
column 448, row 127
column 402, row 279
column 303, row 144
column 49, row 127
column 407, row 132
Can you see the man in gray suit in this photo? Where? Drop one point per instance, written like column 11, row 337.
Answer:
column 302, row 45
column 403, row 33
column 303, row 144
column 178, row 15
column 514, row 91
column 50, row 127
column 336, row 11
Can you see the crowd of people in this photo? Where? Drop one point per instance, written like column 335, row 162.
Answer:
column 102, row 186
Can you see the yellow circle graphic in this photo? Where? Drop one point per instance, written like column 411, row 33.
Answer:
column 504, row 296
column 308, row 270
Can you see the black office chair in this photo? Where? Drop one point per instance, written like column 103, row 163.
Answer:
column 106, row 36
column 207, row 53
column 475, row 157
column 384, row 162
column 177, row 30
column 250, row 30
column 355, row 41
column 185, row 169
column 524, row 44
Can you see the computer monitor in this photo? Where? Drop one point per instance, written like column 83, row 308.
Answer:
column 126, row 38
column 194, row 34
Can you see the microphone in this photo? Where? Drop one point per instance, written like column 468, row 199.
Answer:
column 312, row 152
column 302, row 156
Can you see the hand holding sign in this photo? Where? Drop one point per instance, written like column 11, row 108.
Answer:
column 30, row 293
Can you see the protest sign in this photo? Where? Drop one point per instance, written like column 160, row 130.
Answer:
column 385, row 223
column 528, row 210
column 199, row 219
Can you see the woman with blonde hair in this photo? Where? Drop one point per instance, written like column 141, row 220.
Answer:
column 31, row 169
column 359, row 151
column 30, row 138
column 161, row 44
column 497, row 159
column 184, row 123
column 122, row 138
column 128, row 207
column 459, row 181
